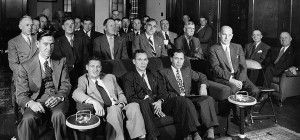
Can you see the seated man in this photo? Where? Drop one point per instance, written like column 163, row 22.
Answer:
column 229, row 66
column 279, row 60
column 256, row 51
column 190, row 45
column 147, row 89
column 42, row 87
column 149, row 42
column 167, row 35
column 178, row 81
column 104, row 94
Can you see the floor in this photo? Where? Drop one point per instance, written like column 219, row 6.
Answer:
column 287, row 116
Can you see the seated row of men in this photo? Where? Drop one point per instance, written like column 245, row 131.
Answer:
column 43, row 86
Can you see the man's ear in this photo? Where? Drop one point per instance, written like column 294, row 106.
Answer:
column 37, row 44
column 133, row 61
column 63, row 27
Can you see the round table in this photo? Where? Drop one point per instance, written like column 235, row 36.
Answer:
column 92, row 123
column 242, row 101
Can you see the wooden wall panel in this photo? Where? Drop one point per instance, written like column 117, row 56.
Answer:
column 296, row 20
column 83, row 8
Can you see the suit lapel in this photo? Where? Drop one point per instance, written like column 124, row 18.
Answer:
column 172, row 80
column 222, row 55
column 105, row 43
column 23, row 42
column 139, row 80
column 33, row 47
column 56, row 67
column 151, row 80
column 185, row 77
column 35, row 67
column 146, row 44
column 117, row 45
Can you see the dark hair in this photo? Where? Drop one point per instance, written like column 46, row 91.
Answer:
column 66, row 19
column 36, row 18
column 138, row 51
column 205, row 17
column 125, row 18
column 93, row 58
column 42, row 15
column 87, row 18
column 150, row 20
column 176, row 51
column 137, row 19
column 117, row 19
column 106, row 20
column 77, row 17
column 23, row 17
column 114, row 10
column 44, row 33
column 146, row 16
column 163, row 20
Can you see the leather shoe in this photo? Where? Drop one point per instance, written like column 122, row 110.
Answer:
column 197, row 136
column 262, row 98
column 248, row 121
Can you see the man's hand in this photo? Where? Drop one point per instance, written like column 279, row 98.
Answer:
column 203, row 90
column 157, row 109
column 36, row 107
column 293, row 70
column 237, row 83
column 99, row 110
column 120, row 106
column 52, row 101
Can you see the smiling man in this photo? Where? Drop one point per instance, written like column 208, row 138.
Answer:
column 42, row 89
column 150, row 43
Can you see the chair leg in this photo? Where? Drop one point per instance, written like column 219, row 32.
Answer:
column 269, row 97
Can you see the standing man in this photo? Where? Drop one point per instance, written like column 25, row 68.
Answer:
column 229, row 66
column 88, row 33
column 178, row 81
column 188, row 43
column 150, row 43
column 280, row 59
column 22, row 47
column 77, row 24
column 35, row 27
column 42, row 89
column 166, row 35
column 256, row 51
column 101, row 93
column 110, row 46
column 125, row 27
column 115, row 14
column 204, row 33
column 147, row 89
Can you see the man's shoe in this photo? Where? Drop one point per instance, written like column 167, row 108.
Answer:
column 248, row 121
column 197, row 136
column 262, row 98
column 189, row 137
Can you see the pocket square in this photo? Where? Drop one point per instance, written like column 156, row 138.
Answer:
column 260, row 51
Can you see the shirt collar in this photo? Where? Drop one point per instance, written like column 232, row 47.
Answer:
column 26, row 37
column 174, row 69
column 69, row 38
column 108, row 37
column 186, row 37
column 224, row 46
column 151, row 36
column 141, row 73
column 164, row 32
column 43, row 60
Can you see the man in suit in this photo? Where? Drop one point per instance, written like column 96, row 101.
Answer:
column 147, row 89
column 229, row 66
column 110, row 46
column 150, row 43
column 115, row 14
column 35, row 27
column 22, row 47
column 178, row 81
column 279, row 59
column 77, row 24
column 42, row 89
column 88, row 33
column 101, row 93
column 204, row 33
column 166, row 35
column 125, row 27
column 190, row 45
column 256, row 51
column 132, row 34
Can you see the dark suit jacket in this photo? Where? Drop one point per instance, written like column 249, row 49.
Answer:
column 135, row 89
column 286, row 60
column 63, row 48
column 187, row 76
column 19, row 51
column 172, row 37
column 194, row 51
column 220, row 64
column 204, row 34
column 101, row 48
column 30, row 80
column 90, row 39
column 141, row 42
column 260, row 51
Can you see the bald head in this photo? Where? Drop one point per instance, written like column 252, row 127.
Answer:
column 285, row 39
column 225, row 35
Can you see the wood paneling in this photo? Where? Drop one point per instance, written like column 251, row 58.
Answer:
column 83, row 8
column 11, row 12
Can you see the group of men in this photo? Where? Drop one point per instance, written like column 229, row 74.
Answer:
column 47, row 71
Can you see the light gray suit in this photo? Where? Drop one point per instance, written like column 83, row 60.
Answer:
column 19, row 51
column 172, row 37
column 135, row 123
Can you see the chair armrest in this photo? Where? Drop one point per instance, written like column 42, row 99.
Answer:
column 290, row 74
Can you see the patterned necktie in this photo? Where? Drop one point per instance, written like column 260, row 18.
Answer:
column 180, row 82
column 48, row 70
column 167, row 36
column 104, row 95
column 71, row 42
column 152, row 46
column 144, row 81
column 280, row 54
column 227, row 52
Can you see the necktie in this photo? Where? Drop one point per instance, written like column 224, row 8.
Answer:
column 87, row 34
column 280, row 54
column 152, row 46
column 28, row 41
column 144, row 81
column 227, row 52
column 253, row 50
column 167, row 36
column 137, row 33
column 48, row 70
column 111, row 46
column 104, row 95
column 71, row 41
column 180, row 82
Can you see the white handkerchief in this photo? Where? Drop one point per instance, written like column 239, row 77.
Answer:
column 260, row 51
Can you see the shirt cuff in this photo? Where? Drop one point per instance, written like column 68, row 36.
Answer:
column 26, row 105
column 87, row 101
